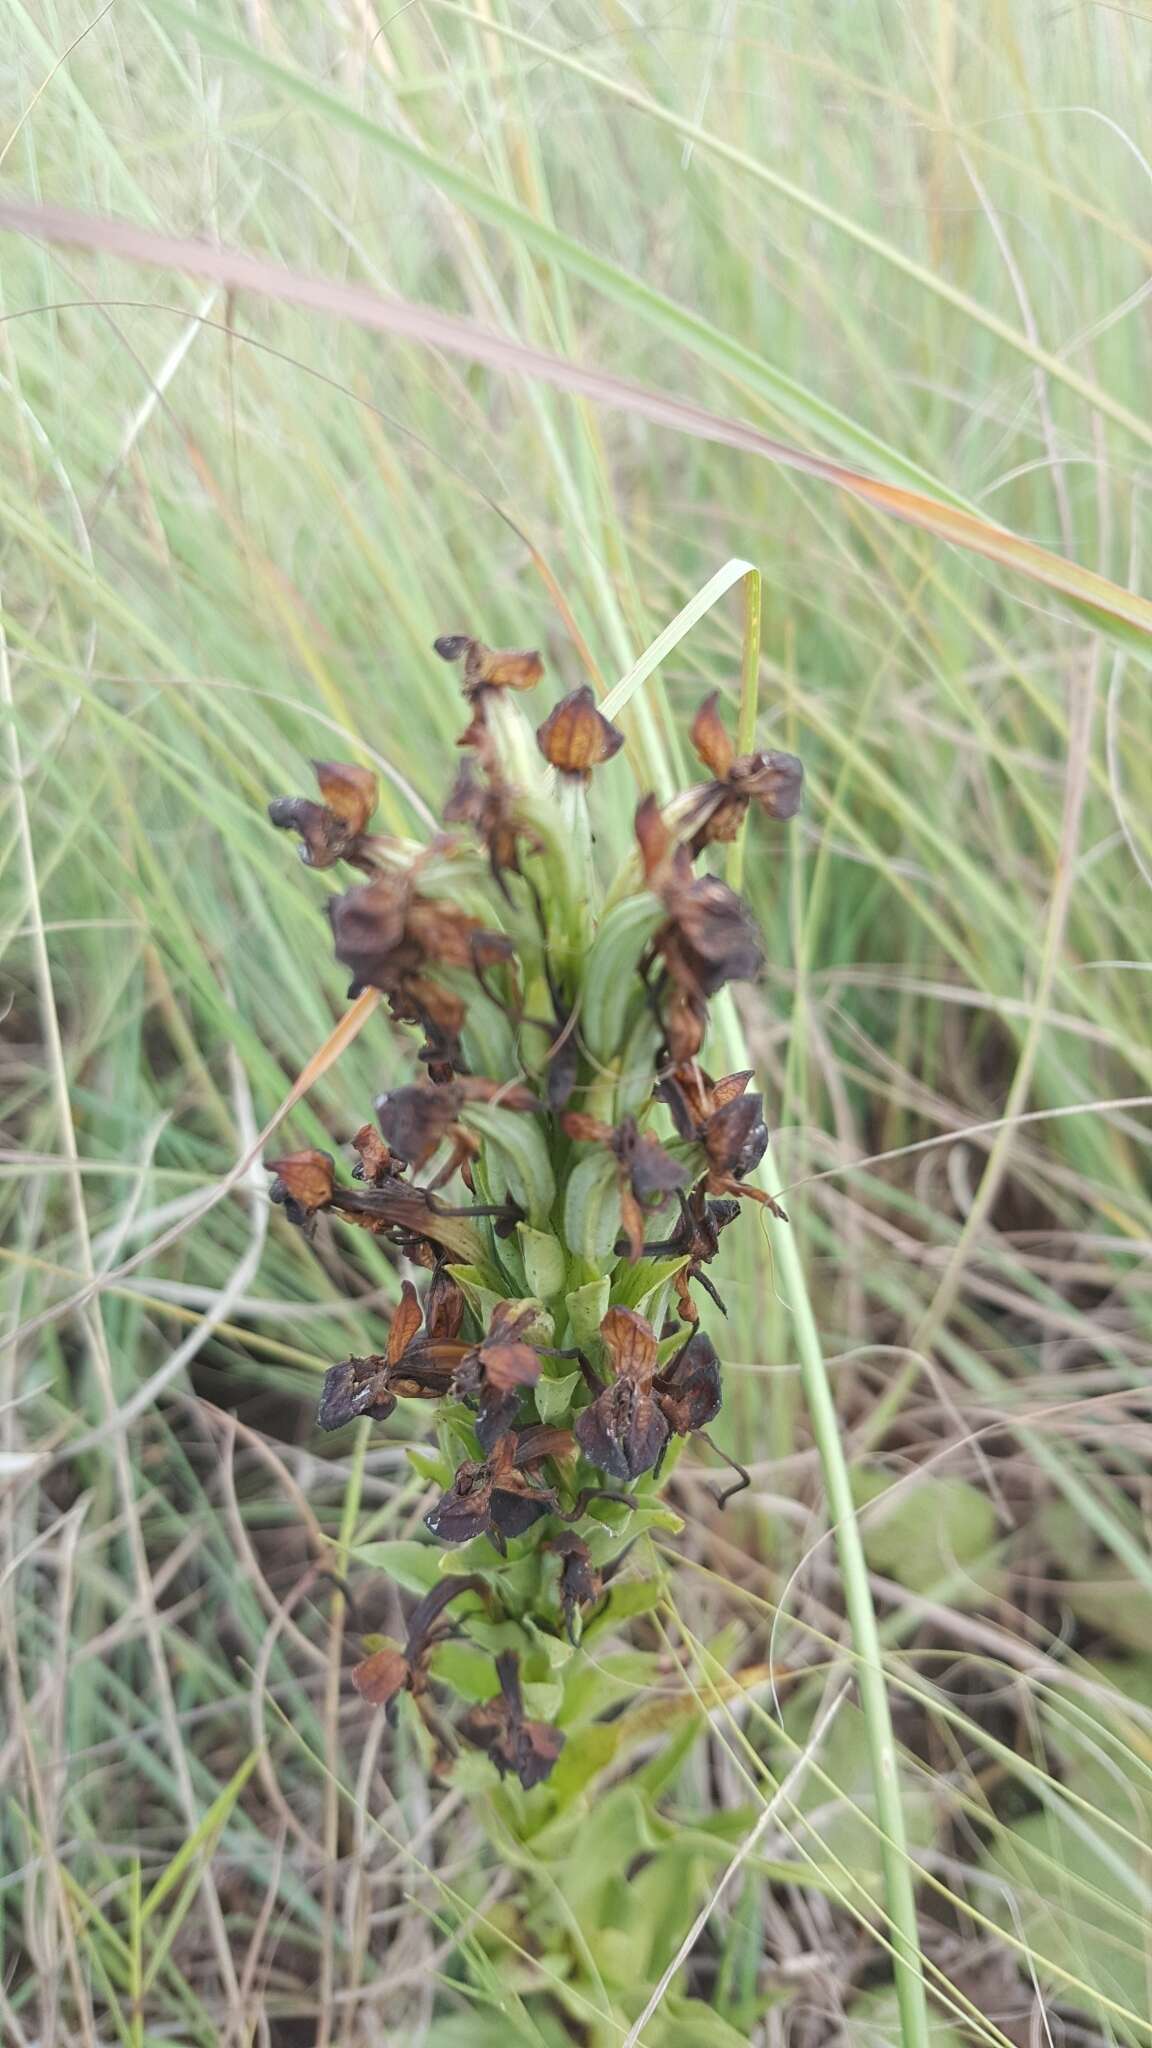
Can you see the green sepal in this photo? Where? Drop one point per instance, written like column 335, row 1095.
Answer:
column 554, row 1396
column 521, row 1152
column 545, row 1266
column 592, row 1209
column 587, row 1307
column 611, row 985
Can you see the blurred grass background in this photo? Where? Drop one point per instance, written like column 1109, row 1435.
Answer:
column 909, row 238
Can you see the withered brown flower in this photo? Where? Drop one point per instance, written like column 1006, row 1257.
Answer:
column 523, row 1749
column 576, row 736
column 721, row 1117
column 417, row 1364
column 333, row 829
column 688, row 1389
column 623, row 1430
column 388, row 1206
column 580, row 1582
column 393, row 938
column 489, row 806
column 383, row 1675
column 416, row 1120
column 487, row 670
column 696, row 1239
column 689, row 1393
column 374, row 1162
column 387, row 932
column 647, row 1173
column 626, row 1429
column 495, row 1370
column 500, row 1496
column 774, row 782
column 709, row 936
column 497, row 1496
column 304, row 1184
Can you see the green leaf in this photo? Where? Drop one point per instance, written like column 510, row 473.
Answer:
column 543, row 1699
column 636, row 1285
column 415, row 1566
column 584, row 1755
column 469, row 1671
column 428, row 1466
column 620, row 1526
column 627, row 1598
column 471, row 2030
column 843, row 1813
column 1108, row 1601
column 688, row 2023
column 637, row 1066
column 495, row 1636
column 926, row 1532
column 873, row 2021
column 554, row 1397
column 1084, row 1938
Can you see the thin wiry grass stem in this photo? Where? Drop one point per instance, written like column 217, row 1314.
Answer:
column 899, row 1884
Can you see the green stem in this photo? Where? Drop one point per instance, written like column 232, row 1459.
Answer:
column 746, row 720
column 899, row 1886
column 898, row 1877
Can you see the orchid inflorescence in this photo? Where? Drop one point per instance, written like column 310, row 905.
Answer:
column 596, row 1164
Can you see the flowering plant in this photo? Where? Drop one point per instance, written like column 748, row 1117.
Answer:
column 563, row 1172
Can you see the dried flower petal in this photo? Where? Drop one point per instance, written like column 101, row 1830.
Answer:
column 357, row 1386
column 710, row 739
column 497, row 1368
column 305, row 1180
column 322, row 847
column 651, row 1170
column 580, row 1582
column 405, row 1323
column 465, row 1509
column 519, row 1748
column 489, row 668
column 506, row 1359
column 718, row 934
column 382, row 1676
column 709, row 938
column 368, row 927
column 688, row 1390
column 417, row 1365
column 494, row 1498
column 721, row 1117
column 349, row 792
column 374, row 1163
column 576, row 736
column 624, row 1431
column 389, row 1671
column 330, row 830
column 735, row 1139
column 655, row 843
column 630, row 1341
column 773, row 781
column 416, row 1120
column 444, row 1306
